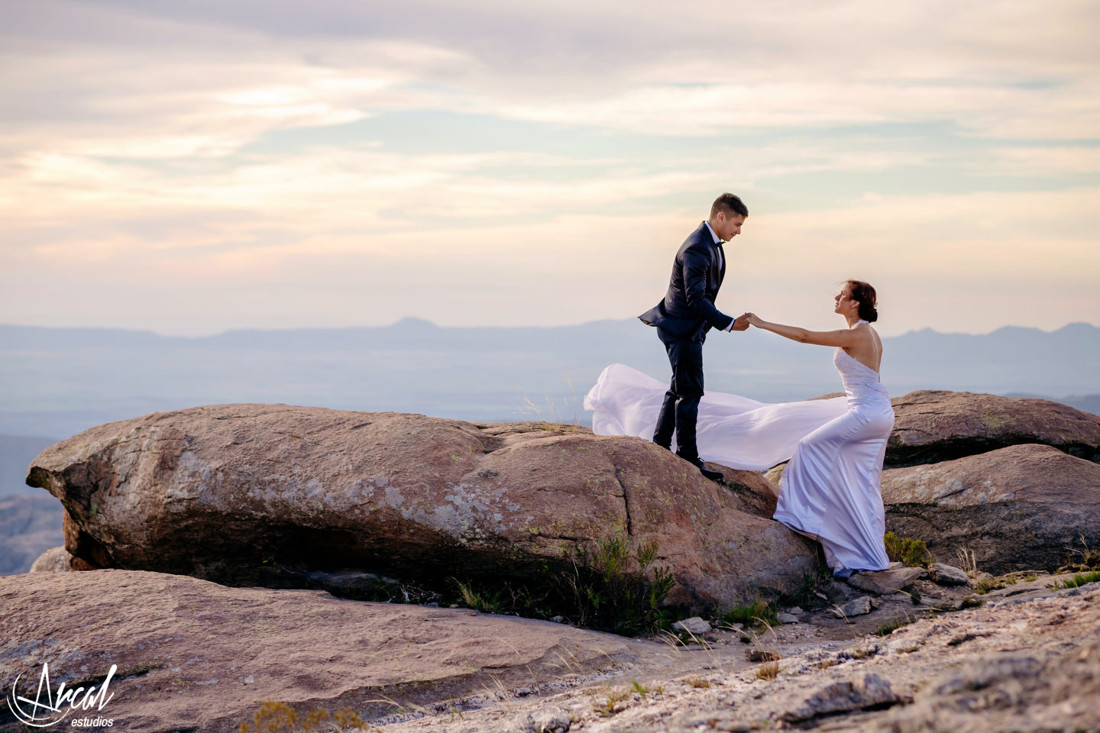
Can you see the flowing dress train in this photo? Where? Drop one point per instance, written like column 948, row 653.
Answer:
column 830, row 490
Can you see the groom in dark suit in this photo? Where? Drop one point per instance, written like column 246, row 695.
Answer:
column 683, row 319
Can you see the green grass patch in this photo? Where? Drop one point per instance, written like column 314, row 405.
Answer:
column 756, row 613
column 484, row 601
column 618, row 590
column 606, row 585
column 1079, row 579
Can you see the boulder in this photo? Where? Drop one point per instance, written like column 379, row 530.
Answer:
column 948, row 574
column 874, row 693
column 856, row 607
column 54, row 560
column 693, row 625
column 197, row 656
column 266, row 494
column 885, row 582
column 933, row 426
column 1018, row 508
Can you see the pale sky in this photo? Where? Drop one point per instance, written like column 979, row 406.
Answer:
column 191, row 166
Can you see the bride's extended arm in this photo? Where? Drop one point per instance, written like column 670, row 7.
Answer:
column 844, row 337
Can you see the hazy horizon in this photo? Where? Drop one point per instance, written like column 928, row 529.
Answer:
column 60, row 381
column 429, row 322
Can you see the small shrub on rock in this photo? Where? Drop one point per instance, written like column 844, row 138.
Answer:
column 273, row 717
column 907, row 550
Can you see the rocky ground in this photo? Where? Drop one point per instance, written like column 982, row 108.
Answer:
column 1027, row 659
column 196, row 656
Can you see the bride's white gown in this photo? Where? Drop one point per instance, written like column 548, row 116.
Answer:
column 830, row 490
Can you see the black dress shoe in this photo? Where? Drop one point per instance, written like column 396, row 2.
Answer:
column 712, row 475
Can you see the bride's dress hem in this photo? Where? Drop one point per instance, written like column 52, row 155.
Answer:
column 838, row 571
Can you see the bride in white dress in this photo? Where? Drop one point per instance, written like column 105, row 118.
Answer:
column 830, row 490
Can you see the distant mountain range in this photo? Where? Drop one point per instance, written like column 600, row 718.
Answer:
column 59, row 381
column 16, row 454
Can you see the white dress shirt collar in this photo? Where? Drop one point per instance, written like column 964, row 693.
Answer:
column 716, row 239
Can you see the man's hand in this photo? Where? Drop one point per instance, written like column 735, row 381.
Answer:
column 741, row 323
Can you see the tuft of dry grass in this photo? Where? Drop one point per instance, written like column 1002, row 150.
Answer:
column 610, row 704
column 987, row 584
column 968, row 561
column 1086, row 559
column 891, row 626
column 767, row 671
column 862, row 652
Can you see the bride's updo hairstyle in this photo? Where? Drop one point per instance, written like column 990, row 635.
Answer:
column 865, row 295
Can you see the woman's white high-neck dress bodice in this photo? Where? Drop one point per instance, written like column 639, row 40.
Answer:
column 830, row 489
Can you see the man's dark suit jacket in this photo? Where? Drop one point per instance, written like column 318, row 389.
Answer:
column 687, row 311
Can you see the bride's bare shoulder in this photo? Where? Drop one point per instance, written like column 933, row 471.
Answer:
column 866, row 329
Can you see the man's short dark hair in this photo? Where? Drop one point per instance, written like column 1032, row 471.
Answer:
column 730, row 204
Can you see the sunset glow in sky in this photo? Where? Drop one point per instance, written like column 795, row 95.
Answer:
column 191, row 166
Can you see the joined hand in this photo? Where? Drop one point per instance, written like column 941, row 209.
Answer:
column 741, row 323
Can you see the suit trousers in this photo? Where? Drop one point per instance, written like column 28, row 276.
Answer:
column 680, row 409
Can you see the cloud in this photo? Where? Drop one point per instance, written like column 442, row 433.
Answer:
column 955, row 262
column 987, row 235
column 221, row 156
column 1047, row 160
column 233, row 70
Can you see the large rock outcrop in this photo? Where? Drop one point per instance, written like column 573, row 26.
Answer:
column 1017, row 508
column 193, row 655
column 932, row 426
column 263, row 494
